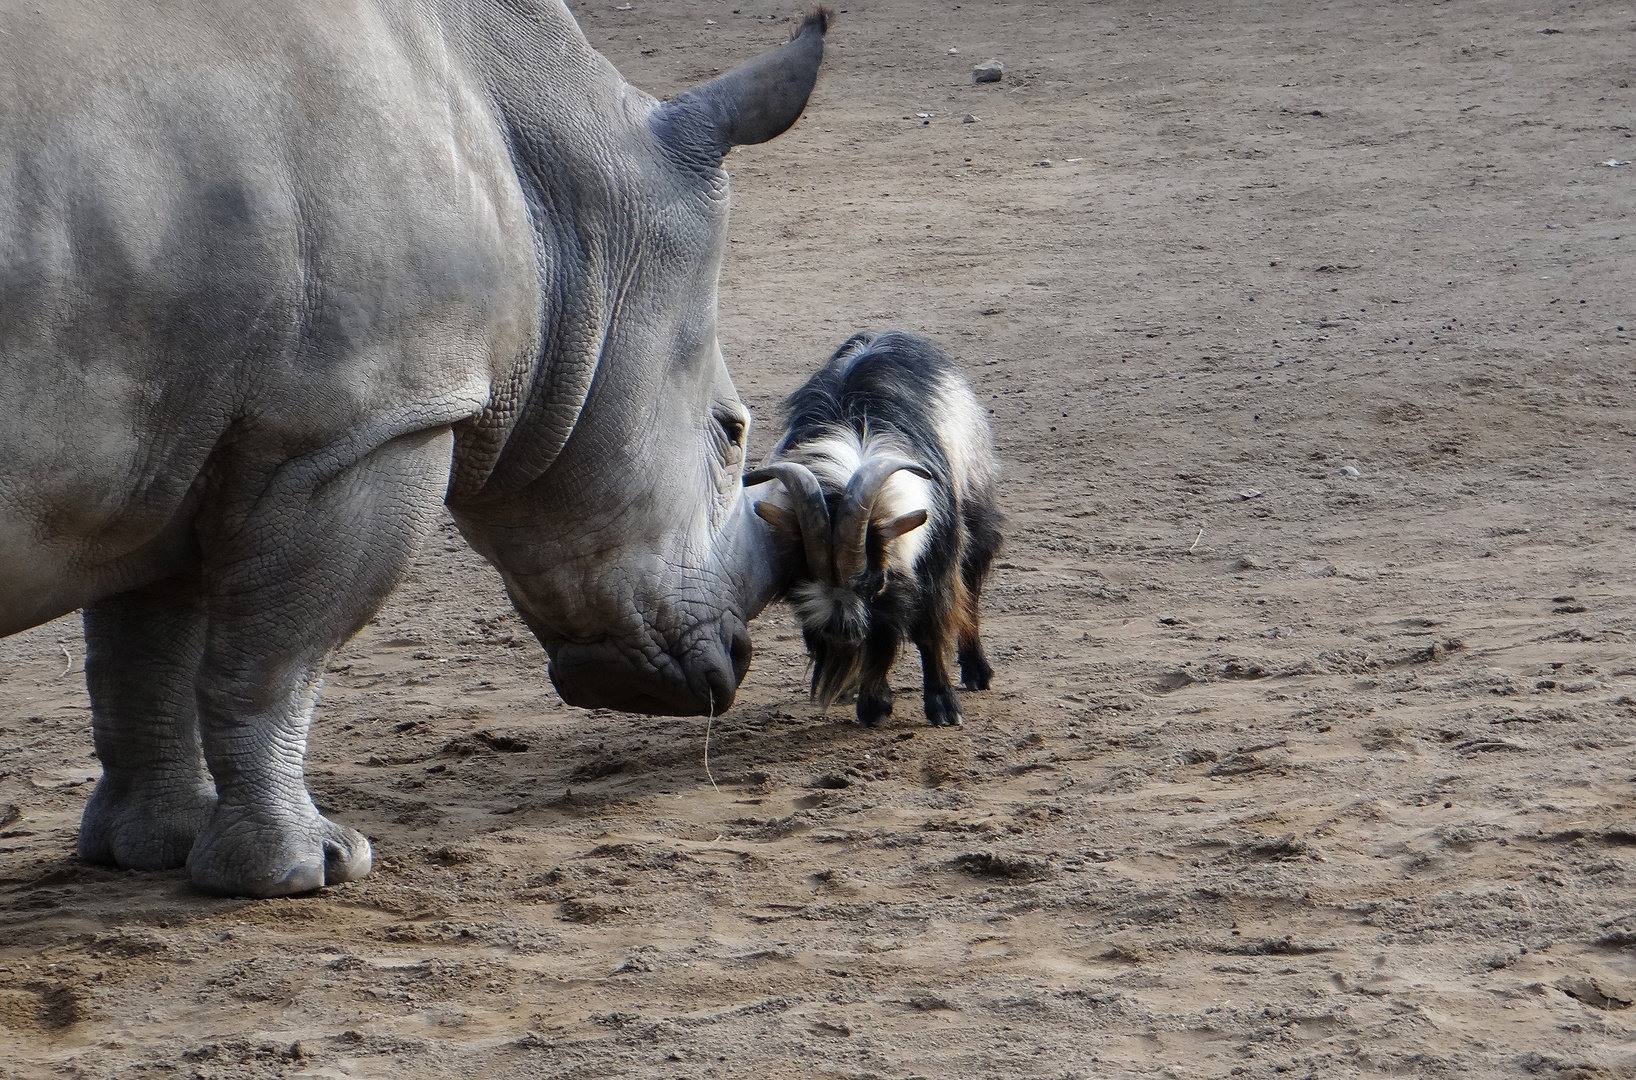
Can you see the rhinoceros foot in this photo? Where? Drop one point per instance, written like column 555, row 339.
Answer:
column 246, row 852
column 152, row 827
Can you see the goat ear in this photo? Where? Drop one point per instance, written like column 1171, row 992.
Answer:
column 779, row 518
column 891, row 530
column 754, row 102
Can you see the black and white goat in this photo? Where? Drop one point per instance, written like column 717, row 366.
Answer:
column 888, row 475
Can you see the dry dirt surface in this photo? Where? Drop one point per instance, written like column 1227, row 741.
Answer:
column 1307, row 330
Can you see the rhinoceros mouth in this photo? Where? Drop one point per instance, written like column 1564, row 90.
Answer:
column 607, row 675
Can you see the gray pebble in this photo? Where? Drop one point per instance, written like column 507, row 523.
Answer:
column 1350, row 470
column 968, row 119
column 990, row 71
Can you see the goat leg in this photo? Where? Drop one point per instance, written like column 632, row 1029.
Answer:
column 983, row 541
column 874, row 692
column 975, row 671
column 942, row 707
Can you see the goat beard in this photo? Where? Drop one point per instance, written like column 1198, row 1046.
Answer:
column 834, row 622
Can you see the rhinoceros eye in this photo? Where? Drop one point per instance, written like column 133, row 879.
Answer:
column 735, row 429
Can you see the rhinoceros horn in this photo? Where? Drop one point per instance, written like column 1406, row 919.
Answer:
column 754, row 102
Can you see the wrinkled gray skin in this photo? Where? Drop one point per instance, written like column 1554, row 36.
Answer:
column 279, row 279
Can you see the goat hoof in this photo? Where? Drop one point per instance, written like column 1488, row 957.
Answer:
column 975, row 673
column 942, row 710
column 873, row 710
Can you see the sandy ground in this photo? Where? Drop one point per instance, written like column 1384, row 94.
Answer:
column 1285, row 771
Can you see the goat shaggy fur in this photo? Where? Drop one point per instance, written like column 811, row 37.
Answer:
column 886, row 451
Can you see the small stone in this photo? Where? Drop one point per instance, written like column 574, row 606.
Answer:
column 954, row 52
column 968, row 119
column 1350, row 470
column 989, row 71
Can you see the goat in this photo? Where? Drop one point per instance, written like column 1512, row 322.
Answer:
column 888, row 480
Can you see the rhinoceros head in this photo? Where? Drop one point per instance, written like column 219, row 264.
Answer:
column 633, row 554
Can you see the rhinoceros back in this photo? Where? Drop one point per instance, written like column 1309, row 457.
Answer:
column 231, row 236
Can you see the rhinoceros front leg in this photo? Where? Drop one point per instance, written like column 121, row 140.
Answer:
column 283, row 590
column 143, row 649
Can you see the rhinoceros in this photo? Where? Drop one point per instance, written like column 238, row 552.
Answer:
column 278, row 281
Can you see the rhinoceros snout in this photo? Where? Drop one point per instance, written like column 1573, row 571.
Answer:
column 601, row 675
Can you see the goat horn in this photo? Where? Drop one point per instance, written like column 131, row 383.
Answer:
column 858, row 508
column 811, row 511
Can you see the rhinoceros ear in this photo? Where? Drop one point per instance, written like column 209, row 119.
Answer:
column 756, row 101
